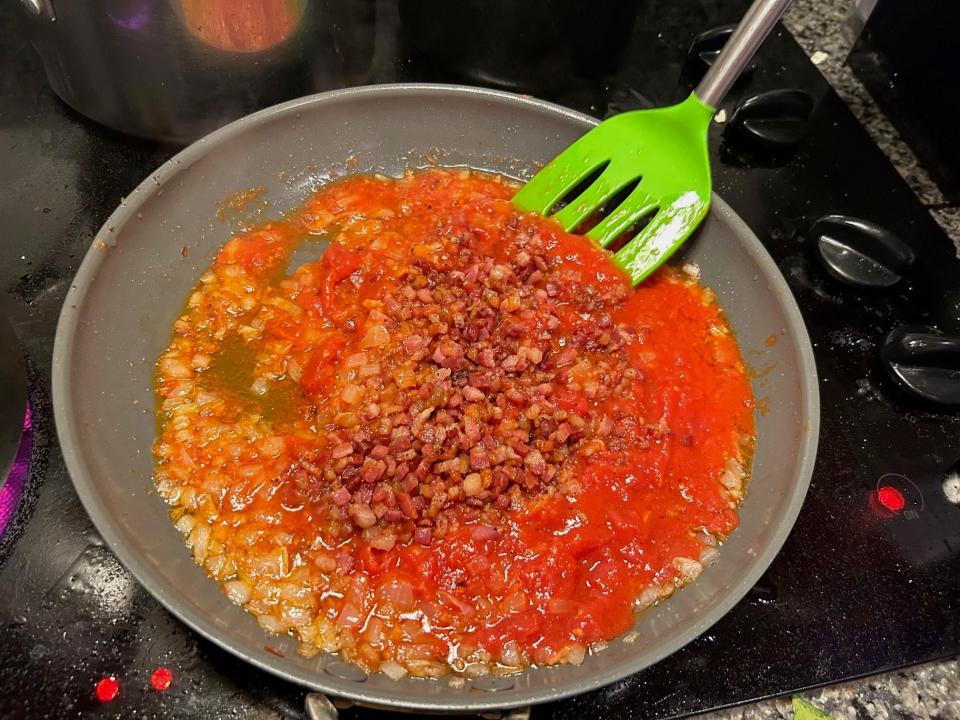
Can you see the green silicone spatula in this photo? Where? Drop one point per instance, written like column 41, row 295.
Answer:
column 665, row 149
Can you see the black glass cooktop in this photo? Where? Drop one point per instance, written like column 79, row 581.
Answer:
column 869, row 580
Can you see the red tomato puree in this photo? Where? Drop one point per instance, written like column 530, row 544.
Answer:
column 457, row 441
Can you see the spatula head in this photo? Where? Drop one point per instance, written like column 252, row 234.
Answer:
column 665, row 150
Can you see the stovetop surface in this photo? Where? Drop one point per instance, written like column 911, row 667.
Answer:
column 855, row 590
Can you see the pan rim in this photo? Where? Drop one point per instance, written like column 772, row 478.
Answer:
column 68, row 432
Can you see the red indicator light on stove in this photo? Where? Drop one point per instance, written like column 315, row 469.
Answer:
column 107, row 689
column 161, row 678
column 891, row 498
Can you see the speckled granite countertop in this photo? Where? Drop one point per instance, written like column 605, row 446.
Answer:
column 927, row 692
column 826, row 29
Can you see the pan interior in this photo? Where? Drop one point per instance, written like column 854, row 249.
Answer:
column 144, row 261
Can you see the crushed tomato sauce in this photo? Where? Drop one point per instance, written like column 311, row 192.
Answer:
column 458, row 440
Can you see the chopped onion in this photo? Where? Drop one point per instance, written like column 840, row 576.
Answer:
column 199, row 539
column 384, row 541
column 647, row 598
column 473, row 485
column 270, row 624
column 238, row 591
column 174, row 368
column 510, row 654
column 308, row 650
column 708, row 556
column 326, row 563
column 295, row 616
column 374, row 632
column 185, row 523
column 273, row 446
column 294, row 370
column 355, row 360
column 398, row 593
column 346, row 419
column 476, row 670
column 369, row 370
column 705, row 537
column 575, row 654
column 731, row 481
column 689, row 569
column 349, row 616
column 362, row 515
column 375, row 336
column 393, row 670
column 517, row 602
column 352, row 394
column 405, row 378
column 249, row 470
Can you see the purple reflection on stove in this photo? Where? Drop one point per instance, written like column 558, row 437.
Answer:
column 12, row 489
column 136, row 20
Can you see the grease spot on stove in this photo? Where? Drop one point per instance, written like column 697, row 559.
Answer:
column 851, row 338
column 951, row 486
column 867, row 390
column 97, row 576
column 795, row 269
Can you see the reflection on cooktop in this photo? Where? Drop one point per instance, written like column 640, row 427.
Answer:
column 875, row 540
column 16, row 477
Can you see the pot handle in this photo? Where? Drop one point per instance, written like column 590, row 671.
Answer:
column 319, row 707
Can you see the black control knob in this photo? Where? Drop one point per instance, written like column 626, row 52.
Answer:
column 858, row 252
column 705, row 49
column 924, row 363
column 776, row 120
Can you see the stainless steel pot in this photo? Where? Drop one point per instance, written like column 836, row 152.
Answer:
column 131, row 286
column 176, row 69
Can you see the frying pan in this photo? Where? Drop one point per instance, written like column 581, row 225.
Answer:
column 135, row 278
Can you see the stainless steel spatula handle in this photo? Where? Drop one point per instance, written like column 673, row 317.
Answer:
column 740, row 49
